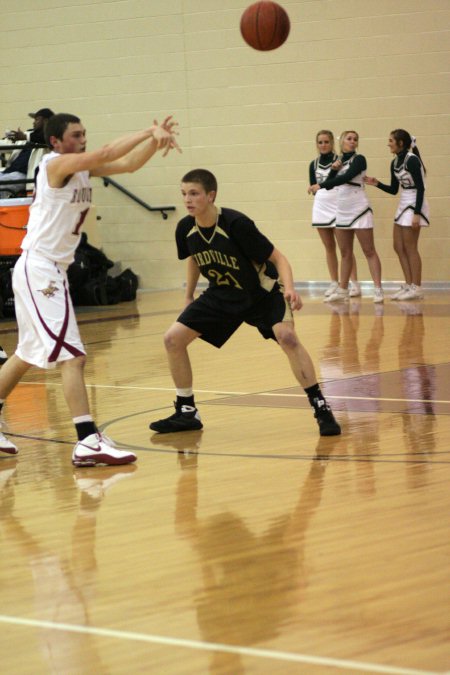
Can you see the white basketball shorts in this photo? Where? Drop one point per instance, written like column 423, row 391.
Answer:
column 48, row 331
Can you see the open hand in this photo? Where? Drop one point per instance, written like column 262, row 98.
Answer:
column 17, row 135
column 294, row 299
column 164, row 134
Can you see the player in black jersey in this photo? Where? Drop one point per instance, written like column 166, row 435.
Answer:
column 249, row 281
column 407, row 173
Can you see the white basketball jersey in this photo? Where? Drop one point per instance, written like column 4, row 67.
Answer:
column 57, row 214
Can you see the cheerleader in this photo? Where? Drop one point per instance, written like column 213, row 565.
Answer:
column 324, row 210
column 353, row 216
column 408, row 173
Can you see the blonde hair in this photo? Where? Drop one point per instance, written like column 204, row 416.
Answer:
column 326, row 132
column 344, row 134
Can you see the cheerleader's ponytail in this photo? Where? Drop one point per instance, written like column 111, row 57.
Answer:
column 406, row 141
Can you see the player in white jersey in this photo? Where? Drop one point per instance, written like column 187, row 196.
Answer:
column 408, row 174
column 48, row 331
column 353, row 216
column 324, row 210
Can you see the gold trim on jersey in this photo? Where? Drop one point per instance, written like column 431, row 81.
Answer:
column 214, row 228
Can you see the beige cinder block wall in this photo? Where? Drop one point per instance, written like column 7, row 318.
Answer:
column 249, row 116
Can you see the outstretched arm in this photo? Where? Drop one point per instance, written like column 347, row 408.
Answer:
column 391, row 189
column 105, row 160
column 162, row 138
column 284, row 270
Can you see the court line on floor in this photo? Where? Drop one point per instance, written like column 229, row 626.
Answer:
column 216, row 647
column 245, row 393
column 129, row 386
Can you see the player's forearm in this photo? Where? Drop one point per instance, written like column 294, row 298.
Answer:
column 284, row 269
column 135, row 159
column 108, row 159
column 126, row 144
column 285, row 274
column 192, row 276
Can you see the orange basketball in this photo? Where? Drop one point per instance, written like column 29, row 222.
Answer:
column 265, row 25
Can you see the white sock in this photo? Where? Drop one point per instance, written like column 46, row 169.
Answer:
column 184, row 393
column 82, row 418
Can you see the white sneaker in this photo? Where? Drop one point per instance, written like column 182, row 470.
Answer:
column 412, row 293
column 378, row 295
column 95, row 450
column 3, row 356
column 6, row 445
column 339, row 295
column 331, row 288
column 397, row 294
column 354, row 290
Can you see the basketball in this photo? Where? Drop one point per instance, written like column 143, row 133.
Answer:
column 265, row 25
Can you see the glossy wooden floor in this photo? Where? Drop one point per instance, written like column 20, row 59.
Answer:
column 253, row 546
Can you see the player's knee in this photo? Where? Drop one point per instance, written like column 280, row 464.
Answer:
column 79, row 361
column 287, row 339
column 171, row 342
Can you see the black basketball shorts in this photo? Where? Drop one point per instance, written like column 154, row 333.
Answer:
column 216, row 323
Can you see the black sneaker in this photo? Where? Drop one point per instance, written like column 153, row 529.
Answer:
column 184, row 419
column 325, row 419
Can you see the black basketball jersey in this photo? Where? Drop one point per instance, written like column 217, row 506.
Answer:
column 232, row 256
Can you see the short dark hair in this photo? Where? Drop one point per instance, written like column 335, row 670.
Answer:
column 206, row 179
column 57, row 125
